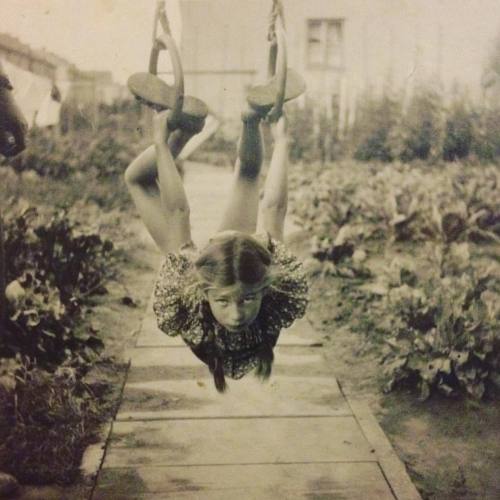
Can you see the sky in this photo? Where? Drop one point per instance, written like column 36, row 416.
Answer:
column 116, row 35
column 110, row 35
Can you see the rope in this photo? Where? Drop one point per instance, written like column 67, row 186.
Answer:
column 155, row 21
column 164, row 19
column 160, row 18
column 276, row 10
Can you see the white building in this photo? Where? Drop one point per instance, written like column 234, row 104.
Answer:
column 341, row 47
column 42, row 80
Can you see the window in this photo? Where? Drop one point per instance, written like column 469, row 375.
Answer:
column 324, row 43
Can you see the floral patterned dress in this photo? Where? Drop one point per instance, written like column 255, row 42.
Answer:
column 182, row 309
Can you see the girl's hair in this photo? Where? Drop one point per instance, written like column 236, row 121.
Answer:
column 231, row 258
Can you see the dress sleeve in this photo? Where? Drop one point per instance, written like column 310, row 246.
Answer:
column 176, row 301
column 287, row 297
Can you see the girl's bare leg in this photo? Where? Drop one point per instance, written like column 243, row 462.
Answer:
column 273, row 206
column 242, row 208
column 143, row 183
column 177, row 140
column 143, row 170
column 212, row 123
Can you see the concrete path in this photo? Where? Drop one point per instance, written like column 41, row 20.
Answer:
column 294, row 437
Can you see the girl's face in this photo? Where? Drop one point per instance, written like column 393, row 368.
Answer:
column 236, row 307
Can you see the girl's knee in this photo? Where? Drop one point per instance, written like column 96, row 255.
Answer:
column 135, row 178
column 129, row 176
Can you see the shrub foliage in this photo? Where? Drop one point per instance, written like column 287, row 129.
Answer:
column 441, row 320
column 46, row 421
column 398, row 203
column 444, row 331
column 53, row 266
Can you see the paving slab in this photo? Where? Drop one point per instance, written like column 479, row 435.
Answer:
column 150, row 364
column 151, row 336
column 206, row 188
column 182, row 356
column 300, row 333
column 281, row 396
column 325, row 481
column 210, row 441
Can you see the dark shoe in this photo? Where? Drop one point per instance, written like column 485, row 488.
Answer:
column 155, row 93
column 263, row 97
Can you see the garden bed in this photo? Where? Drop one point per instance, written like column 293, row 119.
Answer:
column 118, row 315
column 380, row 252
column 450, row 447
column 78, row 279
column 387, row 248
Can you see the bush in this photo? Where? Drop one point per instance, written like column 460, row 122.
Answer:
column 385, row 129
column 47, row 420
column 104, row 149
column 107, row 156
column 459, row 132
column 371, row 134
column 47, row 155
column 53, row 267
column 216, row 150
column 398, row 202
column 303, row 145
column 486, row 143
column 445, row 328
column 80, row 119
column 421, row 126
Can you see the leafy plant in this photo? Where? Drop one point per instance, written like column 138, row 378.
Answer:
column 445, row 335
column 47, row 419
column 108, row 156
column 47, row 155
column 324, row 200
column 373, row 127
column 458, row 132
column 303, row 133
column 397, row 203
column 486, row 140
column 105, row 147
column 53, row 267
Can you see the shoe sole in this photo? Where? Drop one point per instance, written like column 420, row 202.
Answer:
column 154, row 92
column 263, row 97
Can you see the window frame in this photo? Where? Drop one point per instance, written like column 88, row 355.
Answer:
column 324, row 23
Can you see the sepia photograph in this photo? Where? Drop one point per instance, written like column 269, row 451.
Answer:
column 250, row 249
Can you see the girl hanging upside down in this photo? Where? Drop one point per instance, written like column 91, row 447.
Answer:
column 230, row 300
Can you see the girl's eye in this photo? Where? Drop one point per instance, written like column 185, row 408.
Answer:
column 222, row 302
column 250, row 298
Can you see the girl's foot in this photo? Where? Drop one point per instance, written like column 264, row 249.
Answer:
column 252, row 115
column 155, row 93
column 178, row 139
column 263, row 97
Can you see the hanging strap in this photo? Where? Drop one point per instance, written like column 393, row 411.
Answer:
column 166, row 41
column 276, row 11
column 277, row 62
